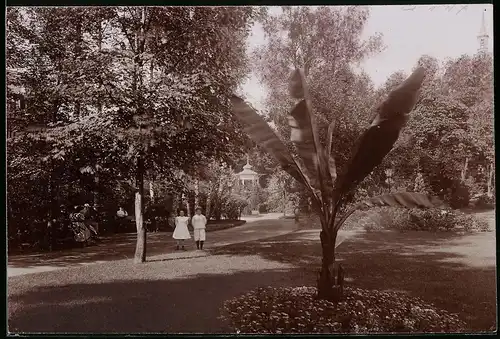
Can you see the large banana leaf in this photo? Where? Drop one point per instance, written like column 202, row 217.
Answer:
column 306, row 138
column 302, row 137
column 402, row 199
column 260, row 132
column 379, row 138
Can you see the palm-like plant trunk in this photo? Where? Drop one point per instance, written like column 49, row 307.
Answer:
column 330, row 280
column 317, row 170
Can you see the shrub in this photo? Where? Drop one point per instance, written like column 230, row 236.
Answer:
column 459, row 196
column 479, row 225
column 371, row 220
column 296, row 310
column 435, row 220
column 232, row 207
column 376, row 219
column 484, row 201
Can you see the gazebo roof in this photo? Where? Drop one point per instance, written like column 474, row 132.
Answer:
column 247, row 170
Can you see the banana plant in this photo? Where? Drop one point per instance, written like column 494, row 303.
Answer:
column 315, row 167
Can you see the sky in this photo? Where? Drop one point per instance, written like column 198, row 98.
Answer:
column 442, row 31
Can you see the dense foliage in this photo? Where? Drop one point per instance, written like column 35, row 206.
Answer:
column 108, row 86
column 450, row 135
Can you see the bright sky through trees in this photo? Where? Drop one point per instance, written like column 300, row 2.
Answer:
column 442, row 31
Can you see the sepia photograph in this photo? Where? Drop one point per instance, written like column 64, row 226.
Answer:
column 250, row 170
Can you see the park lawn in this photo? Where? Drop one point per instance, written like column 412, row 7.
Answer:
column 456, row 273
column 162, row 295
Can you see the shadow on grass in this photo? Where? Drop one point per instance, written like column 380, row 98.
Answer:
column 456, row 273
column 189, row 305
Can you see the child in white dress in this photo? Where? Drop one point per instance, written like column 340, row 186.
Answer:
column 199, row 224
column 181, row 231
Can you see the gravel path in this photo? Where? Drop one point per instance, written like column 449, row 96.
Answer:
column 122, row 246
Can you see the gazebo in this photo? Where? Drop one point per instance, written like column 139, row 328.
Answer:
column 247, row 177
column 249, row 180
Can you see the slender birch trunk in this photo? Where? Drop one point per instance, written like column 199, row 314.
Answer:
column 489, row 191
column 196, row 193
column 464, row 170
column 151, row 191
column 140, row 249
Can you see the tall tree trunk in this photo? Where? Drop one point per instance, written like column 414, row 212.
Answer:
column 187, row 196
column 196, row 193
column 464, row 170
column 99, row 47
column 96, row 195
column 151, row 192
column 330, row 280
column 209, row 202
column 188, row 208
column 140, row 249
column 51, row 214
column 491, row 172
column 284, row 201
column 175, row 204
column 137, row 81
column 78, row 53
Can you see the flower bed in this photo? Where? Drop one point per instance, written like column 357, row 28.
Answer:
column 295, row 310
